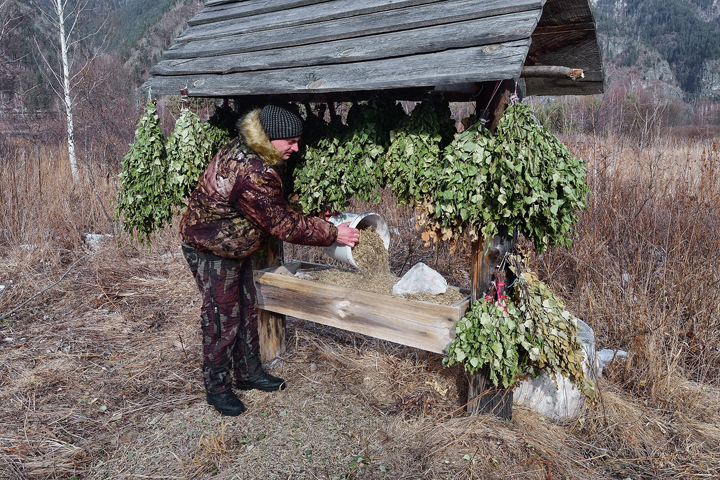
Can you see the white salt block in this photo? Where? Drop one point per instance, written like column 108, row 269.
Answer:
column 421, row 279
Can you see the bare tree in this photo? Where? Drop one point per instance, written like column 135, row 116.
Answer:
column 65, row 20
column 9, row 14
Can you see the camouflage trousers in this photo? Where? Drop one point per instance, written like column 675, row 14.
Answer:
column 229, row 318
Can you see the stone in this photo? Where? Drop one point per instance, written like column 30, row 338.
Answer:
column 95, row 241
column 607, row 355
column 566, row 402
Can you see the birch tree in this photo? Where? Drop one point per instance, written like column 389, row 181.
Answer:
column 9, row 15
column 64, row 18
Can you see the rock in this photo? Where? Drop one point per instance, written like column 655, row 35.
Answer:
column 711, row 76
column 606, row 356
column 421, row 279
column 95, row 241
column 566, row 402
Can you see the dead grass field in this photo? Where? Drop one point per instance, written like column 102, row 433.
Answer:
column 100, row 348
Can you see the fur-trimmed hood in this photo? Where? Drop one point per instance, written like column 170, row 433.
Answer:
column 254, row 136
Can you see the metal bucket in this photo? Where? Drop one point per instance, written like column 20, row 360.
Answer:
column 372, row 220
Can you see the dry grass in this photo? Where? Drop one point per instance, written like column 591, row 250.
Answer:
column 100, row 378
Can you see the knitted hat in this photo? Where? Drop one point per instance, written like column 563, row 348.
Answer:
column 281, row 121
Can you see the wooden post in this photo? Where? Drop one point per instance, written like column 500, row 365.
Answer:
column 483, row 397
column 271, row 326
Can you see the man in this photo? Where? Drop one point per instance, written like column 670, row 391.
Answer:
column 238, row 204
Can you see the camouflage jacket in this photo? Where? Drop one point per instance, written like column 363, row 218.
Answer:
column 239, row 201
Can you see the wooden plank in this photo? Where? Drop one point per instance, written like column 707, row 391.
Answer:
column 333, row 30
column 566, row 12
column 225, row 24
column 279, row 9
column 214, row 10
column 468, row 65
column 213, row 3
column 423, row 40
column 417, row 324
column 574, row 49
column 556, row 86
column 559, row 29
column 392, row 20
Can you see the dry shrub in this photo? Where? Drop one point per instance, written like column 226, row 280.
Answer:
column 42, row 207
column 643, row 273
column 101, row 375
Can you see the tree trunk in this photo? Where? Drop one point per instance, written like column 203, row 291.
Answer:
column 271, row 326
column 67, row 98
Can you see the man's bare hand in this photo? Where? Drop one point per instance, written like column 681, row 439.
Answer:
column 347, row 235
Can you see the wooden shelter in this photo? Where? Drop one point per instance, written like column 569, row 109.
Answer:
column 349, row 50
column 311, row 49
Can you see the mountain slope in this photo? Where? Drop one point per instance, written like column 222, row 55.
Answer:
column 683, row 33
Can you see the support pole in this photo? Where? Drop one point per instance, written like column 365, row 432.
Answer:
column 271, row 326
column 483, row 397
column 545, row 71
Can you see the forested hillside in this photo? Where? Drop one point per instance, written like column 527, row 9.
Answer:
column 132, row 33
column 684, row 34
column 671, row 43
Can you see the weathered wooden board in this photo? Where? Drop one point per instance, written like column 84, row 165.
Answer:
column 213, row 3
column 467, row 65
column 422, row 325
column 244, row 8
column 397, row 44
column 566, row 12
column 578, row 46
column 282, row 11
column 334, row 12
column 339, row 29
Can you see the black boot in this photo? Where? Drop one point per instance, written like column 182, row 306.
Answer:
column 261, row 381
column 227, row 403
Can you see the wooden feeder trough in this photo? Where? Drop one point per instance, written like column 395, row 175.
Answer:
column 424, row 325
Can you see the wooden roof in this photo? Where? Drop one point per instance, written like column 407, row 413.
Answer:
column 310, row 48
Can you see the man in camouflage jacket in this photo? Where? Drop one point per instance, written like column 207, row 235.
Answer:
column 238, row 204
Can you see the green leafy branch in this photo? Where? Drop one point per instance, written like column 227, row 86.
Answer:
column 142, row 200
column 522, row 177
column 529, row 332
column 416, row 144
column 348, row 160
column 189, row 149
column 158, row 175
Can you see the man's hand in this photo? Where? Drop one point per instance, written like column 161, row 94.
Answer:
column 347, row 235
